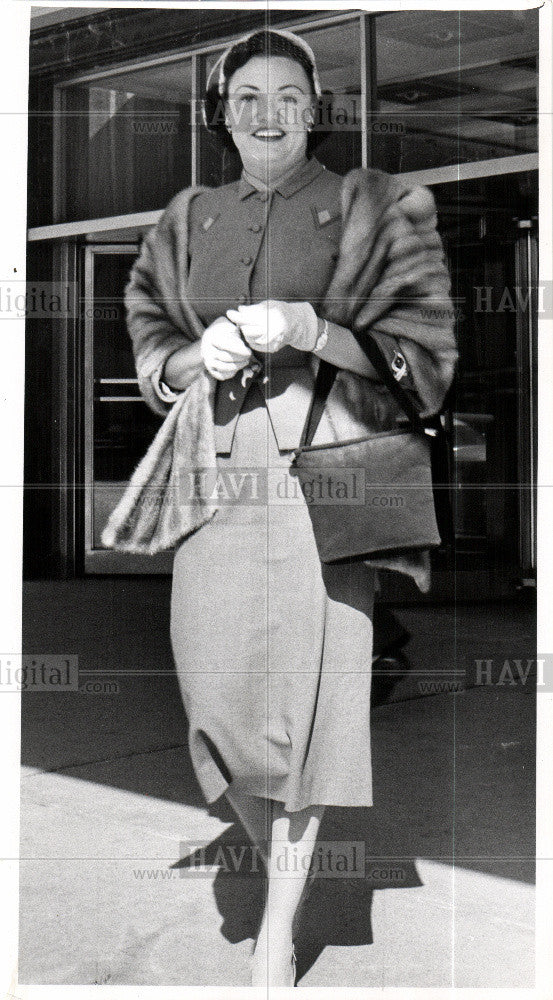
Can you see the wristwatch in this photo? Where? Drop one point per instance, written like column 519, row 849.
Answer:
column 322, row 338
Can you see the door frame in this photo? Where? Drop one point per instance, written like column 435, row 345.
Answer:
column 526, row 269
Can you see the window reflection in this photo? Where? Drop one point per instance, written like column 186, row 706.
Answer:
column 127, row 141
column 122, row 425
column 443, row 98
column 337, row 51
column 452, row 87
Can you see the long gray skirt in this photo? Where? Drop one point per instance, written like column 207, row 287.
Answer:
column 272, row 649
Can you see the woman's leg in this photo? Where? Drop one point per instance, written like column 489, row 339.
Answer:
column 254, row 813
column 293, row 837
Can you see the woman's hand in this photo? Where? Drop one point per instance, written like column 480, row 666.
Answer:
column 223, row 351
column 270, row 325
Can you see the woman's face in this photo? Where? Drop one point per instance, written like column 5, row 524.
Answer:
column 268, row 109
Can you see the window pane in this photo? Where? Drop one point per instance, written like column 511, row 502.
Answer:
column 123, row 426
column 338, row 56
column 127, row 141
column 454, row 87
column 219, row 162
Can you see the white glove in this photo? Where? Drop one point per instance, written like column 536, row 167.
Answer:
column 270, row 325
column 223, row 351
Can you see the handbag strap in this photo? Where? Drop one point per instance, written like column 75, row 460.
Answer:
column 324, row 381
column 323, row 384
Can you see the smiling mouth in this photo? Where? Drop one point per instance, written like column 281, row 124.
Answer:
column 269, row 134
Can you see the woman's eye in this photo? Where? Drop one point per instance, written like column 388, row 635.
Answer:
column 247, row 98
column 290, row 99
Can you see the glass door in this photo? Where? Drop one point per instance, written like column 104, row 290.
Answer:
column 489, row 230
column 118, row 425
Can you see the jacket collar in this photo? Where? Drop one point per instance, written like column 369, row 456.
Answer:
column 289, row 184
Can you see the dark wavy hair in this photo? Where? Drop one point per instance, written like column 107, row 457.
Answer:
column 262, row 43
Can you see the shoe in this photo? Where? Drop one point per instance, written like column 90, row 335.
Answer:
column 293, row 968
column 294, row 965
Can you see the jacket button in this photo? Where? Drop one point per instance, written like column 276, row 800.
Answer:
column 263, row 196
column 246, row 260
column 255, row 228
column 242, row 299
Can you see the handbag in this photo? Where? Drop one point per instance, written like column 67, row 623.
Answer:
column 373, row 496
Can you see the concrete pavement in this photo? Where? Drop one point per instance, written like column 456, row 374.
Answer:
column 114, row 825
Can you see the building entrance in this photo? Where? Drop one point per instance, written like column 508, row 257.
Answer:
column 489, row 229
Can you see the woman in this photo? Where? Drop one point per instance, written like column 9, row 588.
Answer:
column 273, row 649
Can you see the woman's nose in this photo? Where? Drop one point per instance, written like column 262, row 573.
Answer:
column 267, row 110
